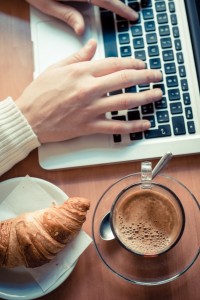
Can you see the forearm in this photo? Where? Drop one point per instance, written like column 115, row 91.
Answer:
column 17, row 138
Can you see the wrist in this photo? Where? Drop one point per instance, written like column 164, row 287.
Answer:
column 17, row 138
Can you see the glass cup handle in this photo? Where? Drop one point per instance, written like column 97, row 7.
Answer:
column 146, row 175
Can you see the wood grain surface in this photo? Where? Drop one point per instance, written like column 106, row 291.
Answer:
column 90, row 280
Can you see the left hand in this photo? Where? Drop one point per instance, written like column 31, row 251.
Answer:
column 74, row 18
column 69, row 98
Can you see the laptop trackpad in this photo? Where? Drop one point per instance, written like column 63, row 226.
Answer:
column 53, row 40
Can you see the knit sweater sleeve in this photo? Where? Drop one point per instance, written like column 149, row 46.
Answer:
column 17, row 138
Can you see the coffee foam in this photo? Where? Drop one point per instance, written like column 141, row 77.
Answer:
column 147, row 223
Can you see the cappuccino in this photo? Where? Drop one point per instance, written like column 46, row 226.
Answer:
column 147, row 222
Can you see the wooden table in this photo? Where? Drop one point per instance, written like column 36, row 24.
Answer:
column 90, row 279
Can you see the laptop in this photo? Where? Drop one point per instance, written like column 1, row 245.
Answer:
column 166, row 37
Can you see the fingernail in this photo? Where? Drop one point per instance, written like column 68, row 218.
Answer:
column 134, row 15
column 158, row 75
column 78, row 29
column 146, row 125
column 88, row 45
column 158, row 92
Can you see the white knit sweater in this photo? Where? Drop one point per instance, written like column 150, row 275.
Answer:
column 17, row 138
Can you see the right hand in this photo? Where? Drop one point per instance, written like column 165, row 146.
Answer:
column 74, row 18
column 69, row 99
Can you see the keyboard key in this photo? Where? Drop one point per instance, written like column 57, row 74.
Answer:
column 172, row 7
column 172, row 81
column 133, row 115
column 162, row 116
column 136, row 136
column 144, row 85
column 170, row 68
column 119, row 118
column 159, row 86
column 146, row 3
column 173, row 19
column 151, row 38
column 182, row 71
column 147, row 109
column 151, row 119
column 178, row 125
column 162, row 131
column 180, row 58
column 176, row 108
column 109, row 35
column 117, row 138
column 125, row 51
column 147, row 14
column 131, row 89
column 135, row 6
column 174, row 94
column 175, row 31
column 119, row 18
column 122, row 26
column 184, row 84
column 124, row 38
column 168, row 55
column 191, row 127
column 138, row 21
column 116, row 92
column 161, row 104
column 166, row 42
column 138, row 43
column 153, row 50
column 140, row 54
column 155, row 63
column 188, row 113
column 162, row 18
column 160, row 6
column 149, row 26
column 136, row 30
column 178, row 45
column 186, row 98
column 113, row 113
column 164, row 30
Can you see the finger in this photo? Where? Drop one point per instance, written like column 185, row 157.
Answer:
column 66, row 13
column 84, row 54
column 117, row 7
column 109, row 65
column 126, row 78
column 120, row 127
column 127, row 101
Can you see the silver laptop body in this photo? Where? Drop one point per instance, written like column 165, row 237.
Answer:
column 53, row 40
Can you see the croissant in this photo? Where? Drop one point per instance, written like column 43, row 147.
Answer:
column 33, row 239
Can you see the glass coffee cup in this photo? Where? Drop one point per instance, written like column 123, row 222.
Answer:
column 140, row 267
column 147, row 218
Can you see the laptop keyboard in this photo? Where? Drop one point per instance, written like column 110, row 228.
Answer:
column 154, row 38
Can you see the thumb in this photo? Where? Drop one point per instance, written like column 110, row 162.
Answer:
column 84, row 54
column 66, row 13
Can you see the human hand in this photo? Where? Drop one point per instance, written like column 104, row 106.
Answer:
column 69, row 98
column 74, row 18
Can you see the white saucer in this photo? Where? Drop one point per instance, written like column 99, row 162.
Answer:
column 17, row 283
